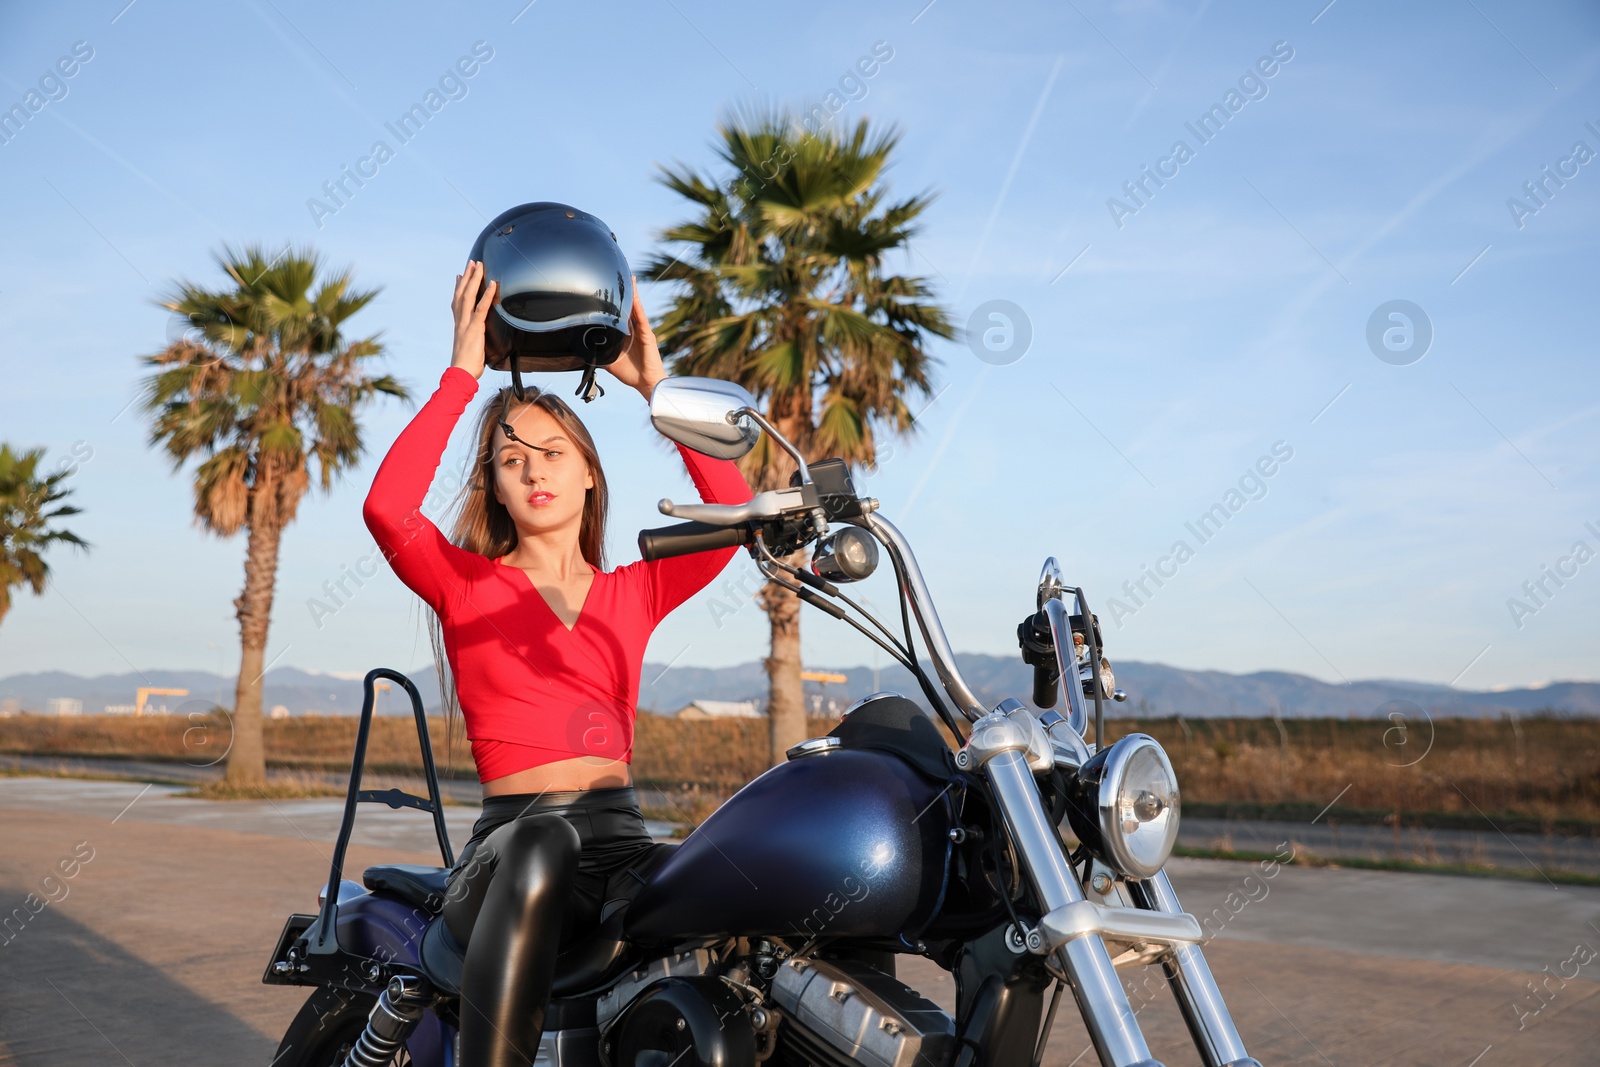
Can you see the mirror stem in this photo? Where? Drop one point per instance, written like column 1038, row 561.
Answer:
column 760, row 420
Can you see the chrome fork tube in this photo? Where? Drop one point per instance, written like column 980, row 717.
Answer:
column 1199, row 999
column 1101, row 999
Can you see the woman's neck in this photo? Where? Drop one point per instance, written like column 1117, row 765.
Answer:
column 558, row 559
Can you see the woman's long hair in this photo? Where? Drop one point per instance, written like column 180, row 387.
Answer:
column 482, row 524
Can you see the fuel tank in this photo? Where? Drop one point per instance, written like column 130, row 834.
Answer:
column 844, row 842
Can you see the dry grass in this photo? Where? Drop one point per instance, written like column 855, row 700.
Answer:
column 279, row 787
column 1540, row 769
column 720, row 756
column 309, row 742
column 715, row 754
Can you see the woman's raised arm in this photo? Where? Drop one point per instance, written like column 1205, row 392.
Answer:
column 672, row 581
column 420, row 554
column 677, row 578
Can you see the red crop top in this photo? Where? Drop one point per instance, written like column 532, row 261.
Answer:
column 531, row 691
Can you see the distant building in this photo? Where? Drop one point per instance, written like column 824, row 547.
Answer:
column 10, row 706
column 720, row 709
column 63, row 706
column 278, row 712
column 120, row 709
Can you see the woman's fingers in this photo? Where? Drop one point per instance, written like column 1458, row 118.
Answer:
column 482, row 311
column 638, row 304
column 640, row 321
column 463, row 285
column 463, row 304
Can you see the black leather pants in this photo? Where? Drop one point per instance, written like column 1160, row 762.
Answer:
column 532, row 878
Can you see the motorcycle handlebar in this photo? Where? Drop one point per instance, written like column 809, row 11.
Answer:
column 684, row 538
column 1046, row 684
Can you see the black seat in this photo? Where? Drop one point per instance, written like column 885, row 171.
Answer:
column 586, row 964
column 412, row 883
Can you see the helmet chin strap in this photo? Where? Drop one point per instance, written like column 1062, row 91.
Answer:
column 588, row 388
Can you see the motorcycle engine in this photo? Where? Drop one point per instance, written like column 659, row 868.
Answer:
column 682, row 1021
column 845, row 1014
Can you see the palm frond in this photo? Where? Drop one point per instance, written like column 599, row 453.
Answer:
column 30, row 506
column 781, row 287
column 263, row 374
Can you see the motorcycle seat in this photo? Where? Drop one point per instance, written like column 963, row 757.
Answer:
column 411, row 882
column 587, row 963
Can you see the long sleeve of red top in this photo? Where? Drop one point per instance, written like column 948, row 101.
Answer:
column 522, row 677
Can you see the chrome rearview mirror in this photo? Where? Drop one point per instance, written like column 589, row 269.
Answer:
column 1050, row 584
column 695, row 413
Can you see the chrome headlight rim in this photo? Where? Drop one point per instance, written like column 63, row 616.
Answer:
column 1094, row 803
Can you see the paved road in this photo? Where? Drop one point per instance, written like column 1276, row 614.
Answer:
column 155, row 951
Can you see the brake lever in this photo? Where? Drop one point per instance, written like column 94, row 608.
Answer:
column 765, row 505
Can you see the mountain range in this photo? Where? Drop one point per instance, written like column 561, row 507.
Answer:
column 1155, row 690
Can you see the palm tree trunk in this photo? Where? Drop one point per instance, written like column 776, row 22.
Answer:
column 247, row 762
column 786, row 709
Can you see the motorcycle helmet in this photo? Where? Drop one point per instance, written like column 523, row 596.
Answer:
column 565, row 293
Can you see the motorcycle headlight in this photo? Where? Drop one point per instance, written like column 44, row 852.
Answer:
column 1123, row 804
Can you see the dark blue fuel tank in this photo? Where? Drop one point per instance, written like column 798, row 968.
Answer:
column 848, row 842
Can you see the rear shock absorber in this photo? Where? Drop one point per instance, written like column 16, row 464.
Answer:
column 399, row 1009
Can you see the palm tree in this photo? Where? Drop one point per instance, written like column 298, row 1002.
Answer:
column 263, row 383
column 26, row 512
column 784, row 291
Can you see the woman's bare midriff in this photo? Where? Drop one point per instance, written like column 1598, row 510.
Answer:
column 581, row 772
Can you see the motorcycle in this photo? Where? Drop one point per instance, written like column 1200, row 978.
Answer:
column 771, row 932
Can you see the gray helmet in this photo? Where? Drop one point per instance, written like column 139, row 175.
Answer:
column 565, row 293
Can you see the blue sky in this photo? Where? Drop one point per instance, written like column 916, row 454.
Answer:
column 1178, row 339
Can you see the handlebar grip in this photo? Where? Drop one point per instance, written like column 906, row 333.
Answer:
column 683, row 538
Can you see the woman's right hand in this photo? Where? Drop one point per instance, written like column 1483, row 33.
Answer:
column 470, row 314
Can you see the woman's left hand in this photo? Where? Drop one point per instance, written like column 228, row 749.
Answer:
column 639, row 365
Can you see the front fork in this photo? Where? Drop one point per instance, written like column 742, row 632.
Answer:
column 1196, row 990
column 1009, row 746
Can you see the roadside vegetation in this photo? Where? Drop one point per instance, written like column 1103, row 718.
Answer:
column 1538, row 774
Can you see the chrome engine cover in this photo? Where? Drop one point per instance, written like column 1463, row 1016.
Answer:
column 862, row 1015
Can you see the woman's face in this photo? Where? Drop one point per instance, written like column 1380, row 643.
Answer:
column 543, row 490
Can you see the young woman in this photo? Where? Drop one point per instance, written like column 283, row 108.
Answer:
column 546, row 648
